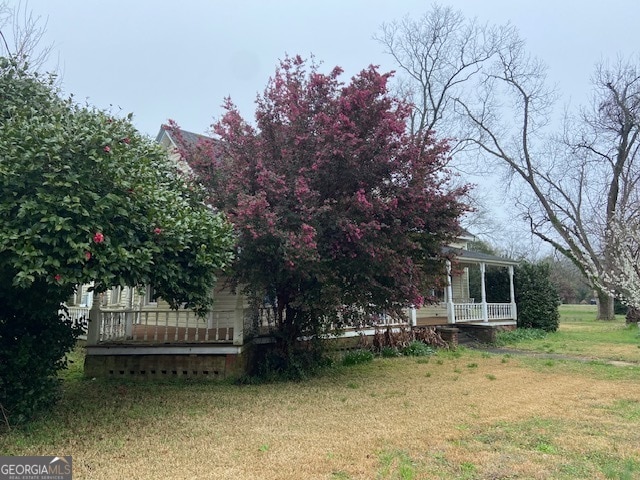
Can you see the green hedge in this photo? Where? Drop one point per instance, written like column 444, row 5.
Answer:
column 33, row 344
column 536, row 296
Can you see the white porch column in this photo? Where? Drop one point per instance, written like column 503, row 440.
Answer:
column 414, row 316
column 451, row 312
column 128, row 323
column 129, row 298
column 512, row 295
column 485, row 313
column 238, row 321
column 93, row 329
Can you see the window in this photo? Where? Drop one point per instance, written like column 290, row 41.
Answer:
column 115, row 296
column 151, row 296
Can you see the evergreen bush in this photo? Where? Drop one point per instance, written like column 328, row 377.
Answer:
column 33, row 343
column 536, row 296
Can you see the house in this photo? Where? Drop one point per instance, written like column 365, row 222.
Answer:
column 133, row 334
column 478, row 316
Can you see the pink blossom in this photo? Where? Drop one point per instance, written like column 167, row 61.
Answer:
column 302, row 188
column 157, row 230
column 87, row 255
column 126, row 140
column 58, row 277
column 354, row 233
column 418, row 301
column 308, row 236
column 98, row 237
column 362, row 199
column 107, row 148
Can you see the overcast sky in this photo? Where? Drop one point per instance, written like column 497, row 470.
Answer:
column 178, row 60
column 162, row 59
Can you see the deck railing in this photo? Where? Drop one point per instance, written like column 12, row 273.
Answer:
column 468, row 312
column 79, row 316
column 500, row 311
column 267, row 322
column 473, row 312
column 165, row 326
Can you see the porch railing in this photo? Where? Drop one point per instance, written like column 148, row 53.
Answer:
column 79, row 317
column 500, row 311
column 167, row 326
column 267, row 322
column 468, row 312
column 472, row 312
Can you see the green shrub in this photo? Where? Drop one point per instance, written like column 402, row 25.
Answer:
column 619, row 308
column 33, row 344
column 389, row 352
column 355, row 357
column 277, row 363
column 417, row 349
column 536, row 296
column 519, row 335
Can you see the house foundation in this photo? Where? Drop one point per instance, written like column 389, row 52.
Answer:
column 158, row 364
column 449, row 335
column 484, row 333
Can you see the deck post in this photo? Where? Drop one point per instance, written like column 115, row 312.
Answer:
column 238, row 321
column 128, row 323
column 485, row 313
column 93, row 329
column 512, row 295
column 238, row 327
column 451, row 311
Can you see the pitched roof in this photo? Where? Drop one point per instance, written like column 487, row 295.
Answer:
column 466, row 256
column 190, row 139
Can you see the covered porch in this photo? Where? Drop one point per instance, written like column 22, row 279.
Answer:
column 159, row 342
column 459, row 305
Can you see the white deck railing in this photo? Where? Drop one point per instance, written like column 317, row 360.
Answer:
column 165, row 326
column 267, row 322
column 473, row 312
column 500, row 311
column 79, row 316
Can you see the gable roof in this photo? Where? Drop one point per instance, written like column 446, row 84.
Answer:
column 466, row 235
column 190, row 139
column 466, row 256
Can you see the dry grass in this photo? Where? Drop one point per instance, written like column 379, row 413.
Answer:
column 460, row 415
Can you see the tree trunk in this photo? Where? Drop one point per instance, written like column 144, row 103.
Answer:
column 605, row 306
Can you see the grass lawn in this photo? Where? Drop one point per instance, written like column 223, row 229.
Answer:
column 580, row 334
column 455, row 415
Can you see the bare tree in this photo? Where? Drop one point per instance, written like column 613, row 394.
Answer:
column 576, row 183
column 570, row 185
column 440, row 54
column 21, row 36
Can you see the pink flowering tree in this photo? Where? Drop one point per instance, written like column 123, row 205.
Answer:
column 339, row 212
column 85, row 198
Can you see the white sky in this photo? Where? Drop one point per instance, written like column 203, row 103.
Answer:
column 164, row 59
